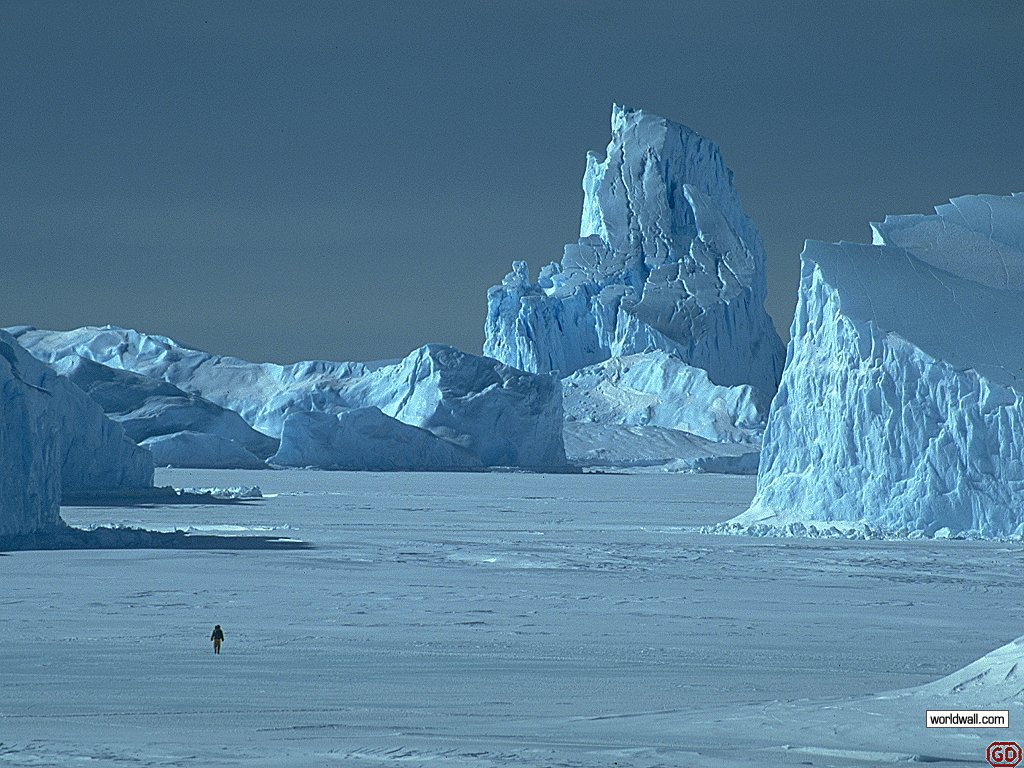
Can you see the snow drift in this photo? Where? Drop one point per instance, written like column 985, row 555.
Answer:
column 666, row 260
column 996, row 678
column 500, row 415
column 902, row 402
column 54, row 441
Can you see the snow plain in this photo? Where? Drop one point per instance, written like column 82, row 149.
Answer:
column 479, row 620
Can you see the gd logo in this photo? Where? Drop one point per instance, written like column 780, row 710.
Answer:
column 1003, row 754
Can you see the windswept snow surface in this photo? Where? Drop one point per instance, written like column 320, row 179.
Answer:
column 501, row 415
column 902, row 403
column 511, row 619
column 364, row 439
column 666, row 260
column 54, row 440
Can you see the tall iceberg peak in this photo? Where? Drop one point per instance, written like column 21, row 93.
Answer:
column 902, row 402
column 666, row 260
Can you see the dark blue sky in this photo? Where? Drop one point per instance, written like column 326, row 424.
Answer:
column 345, row 180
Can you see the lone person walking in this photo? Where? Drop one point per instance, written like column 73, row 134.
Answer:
column 218, row 638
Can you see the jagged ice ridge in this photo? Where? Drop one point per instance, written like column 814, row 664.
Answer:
column 500, row 415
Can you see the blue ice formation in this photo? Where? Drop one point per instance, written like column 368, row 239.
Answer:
column 657, row 389
column 666, row 260
column 500, row 415
column 902, row 402
column 54, row 442
column 654, row 410
column 365, row 439
column 180, row 429
column 655, row 317
column 206, row 450
column 618, row 446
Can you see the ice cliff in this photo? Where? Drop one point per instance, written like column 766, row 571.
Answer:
column 666, row 260
column 500, row 415
column 902, row 402
column 55, row 441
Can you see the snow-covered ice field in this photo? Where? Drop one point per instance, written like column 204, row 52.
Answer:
column 491, row 619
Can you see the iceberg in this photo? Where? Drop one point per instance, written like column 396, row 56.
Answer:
column 500, row 415
column 365, row 439
column 55, row 441
column 168, row 421
column 902, row 403
column 657, row 389
column 655, row 317
column 200, row 450
column 666, row 260
column 616, row 446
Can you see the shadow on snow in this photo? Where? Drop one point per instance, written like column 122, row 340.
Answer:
column 65, row 537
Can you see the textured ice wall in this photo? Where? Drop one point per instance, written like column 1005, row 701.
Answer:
column 662, row 448
column 658, row 390
column 29, row 449
column 666, row 260
column 501, row 415
column 55, row 440
column 365, row 439
column 204, row 450
column 901, row 404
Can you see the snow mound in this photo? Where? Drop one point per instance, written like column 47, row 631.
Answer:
column 503, row 416
column 200, row 450
column 902, row 402
column 657, row 389
column 54, row 441
column 666, row 260
column 995, row 678
column 617, row 446
column 149, row 408
column 365, row 439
